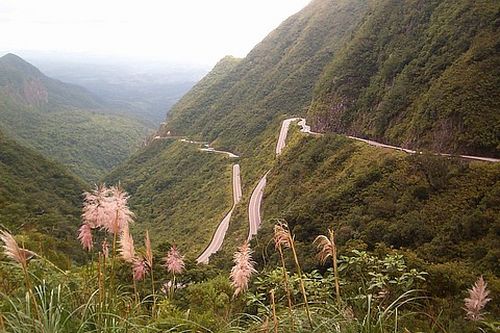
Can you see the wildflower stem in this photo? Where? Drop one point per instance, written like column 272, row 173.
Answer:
column 287, row 286
column 273, row 305
column 301, row 279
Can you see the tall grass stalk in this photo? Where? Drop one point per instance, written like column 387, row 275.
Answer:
column 328, row 248
column 273, row 307
column 285, row 281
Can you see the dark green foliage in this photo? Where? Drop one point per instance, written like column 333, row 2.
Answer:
column 418, row 73
column 40, row 200
column 64, row 122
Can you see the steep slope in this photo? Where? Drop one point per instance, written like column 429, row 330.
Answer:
column 178, row 192
column 64, row 122
column 423, row 74
column 41, row 200
column 276, row 78
column 239, row 104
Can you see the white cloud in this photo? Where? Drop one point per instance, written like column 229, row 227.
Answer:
column 190, row 30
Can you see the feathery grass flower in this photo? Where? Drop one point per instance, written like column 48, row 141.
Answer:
column 13, row 251
column 105, row 248
column 139, row 269
column 149, row 251
column 118, row 209
column 478, row 297
column 127, row 250
column 174, row 261
column 243, row 269
column 282, row 236
column 85, row 237
column 96, row 207
column 327, row 248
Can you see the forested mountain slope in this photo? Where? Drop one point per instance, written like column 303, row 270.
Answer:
column 334, row 47
column 423, row 74
column 276, row 77
column 63, row 121
column 40, row 200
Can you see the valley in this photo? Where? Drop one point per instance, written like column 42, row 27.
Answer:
column 342, row 176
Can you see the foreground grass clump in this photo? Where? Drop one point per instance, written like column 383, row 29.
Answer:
column 362, row 292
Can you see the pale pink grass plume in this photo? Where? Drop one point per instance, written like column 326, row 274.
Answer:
column 127, row 250
column 85, row 237
column 139, row 269
column 325, row 246
column 120, row 214
column 282, row 236
column 96, row 211
column 13, row 251
column 105, row 248
column 243, row 269
column 478, row 297
column 149, row 250
column 174, row 261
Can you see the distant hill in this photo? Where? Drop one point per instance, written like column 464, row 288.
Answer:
column 40, row 200
column 139, row 88
column 63, row 121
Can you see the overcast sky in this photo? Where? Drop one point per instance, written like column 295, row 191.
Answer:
column 193, row 31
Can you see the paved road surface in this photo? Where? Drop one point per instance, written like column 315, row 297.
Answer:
column 409, row 151
column 212, row 150
column 254, row 218
column 254, row 213
column 285, row 125
column 220, row 233
column 236, row 184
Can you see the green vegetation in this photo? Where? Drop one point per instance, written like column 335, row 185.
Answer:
column 416, row 74
column 178, row 192
column 235, row 103
column 39, row 200
column 420, row 74
column 64, row 122
column 412, row 233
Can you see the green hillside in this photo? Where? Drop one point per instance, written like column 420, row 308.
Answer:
column 240, row 104
column 64, row 122
column 276, row 78
column 422, row 74
column 178, row 193
column 40, row 200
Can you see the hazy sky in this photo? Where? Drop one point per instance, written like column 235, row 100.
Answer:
column 195, row 31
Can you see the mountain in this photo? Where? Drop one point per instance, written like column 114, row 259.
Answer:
column 63, row 121
column 276, row 78
column 139, row 88
column 239, row 105
column 421, row 74
column 40, row 200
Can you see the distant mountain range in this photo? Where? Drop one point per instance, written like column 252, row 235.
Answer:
column 65, row 122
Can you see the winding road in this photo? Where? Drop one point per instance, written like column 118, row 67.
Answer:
column 254, row 206
column 220, row 233
column 254, row 213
